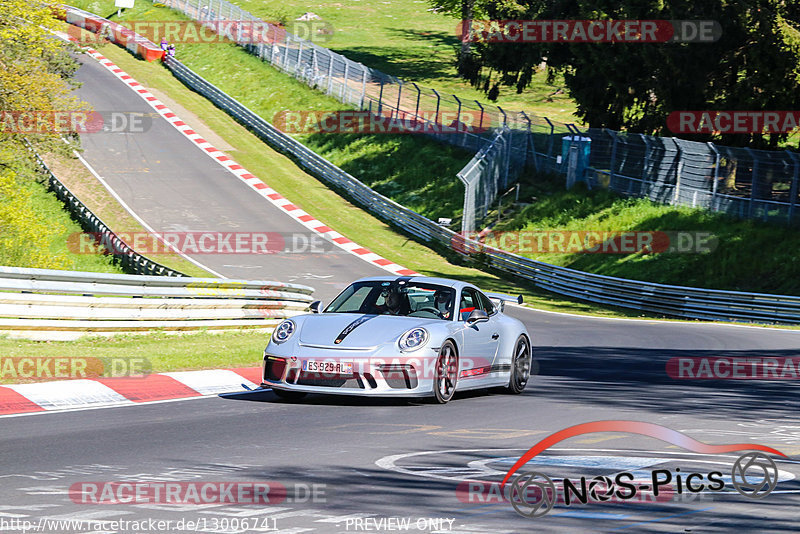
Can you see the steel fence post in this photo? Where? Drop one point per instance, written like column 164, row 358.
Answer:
column 458, row 114
column 297, row 66
column 716, row 176
column 419, row 93
column 363, row 86
column 286, row 54
column 510, row 133
column 480, row 124
column 753, row 182
column 330, row 73
column 550, row 138
column 646, row 162
column 678, row 170
column 529, row 143
column 399, row 95
column 795, row 178
column 380, row 98
column 613, row 161
column 438, row 101
column 505, row 117
column 345, row 85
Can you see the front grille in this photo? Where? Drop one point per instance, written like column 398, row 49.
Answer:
column 399, row 376
column 330, row 381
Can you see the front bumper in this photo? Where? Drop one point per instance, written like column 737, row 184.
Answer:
column 397, row 377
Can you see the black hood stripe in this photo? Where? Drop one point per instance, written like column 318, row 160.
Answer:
column 352, row 326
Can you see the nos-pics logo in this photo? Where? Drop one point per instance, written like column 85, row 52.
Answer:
column 533, row 494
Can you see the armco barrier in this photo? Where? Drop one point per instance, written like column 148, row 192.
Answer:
column 51, row 304
column 678, row 301
column 114, row 32
column 645, row 296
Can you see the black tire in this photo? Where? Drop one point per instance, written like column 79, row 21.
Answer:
column 289, row 395
column 446, row 376
column 520, row 366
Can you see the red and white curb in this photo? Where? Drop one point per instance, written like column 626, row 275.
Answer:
column 255, row 183
column 127, row 391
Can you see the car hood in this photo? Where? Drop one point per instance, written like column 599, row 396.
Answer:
column 355, row 331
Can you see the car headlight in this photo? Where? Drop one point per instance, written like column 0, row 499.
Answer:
column 413, row 339
column 284, row 331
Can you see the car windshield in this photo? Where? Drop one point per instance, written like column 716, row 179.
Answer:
column 409, row 299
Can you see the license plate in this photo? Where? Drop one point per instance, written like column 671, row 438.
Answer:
column 328, row 367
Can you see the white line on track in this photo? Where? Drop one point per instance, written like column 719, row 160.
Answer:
column 140, row 220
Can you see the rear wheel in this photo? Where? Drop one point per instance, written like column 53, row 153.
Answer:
column 289, row 395
column 520, row 366
column 444, row 385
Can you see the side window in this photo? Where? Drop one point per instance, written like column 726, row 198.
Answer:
column 468, row 302
column 486, row 304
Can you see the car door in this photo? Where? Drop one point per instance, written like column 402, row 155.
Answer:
column 480, row 339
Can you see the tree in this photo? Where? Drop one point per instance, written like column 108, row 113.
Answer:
column 35, row 76
column 755, row 65
column 467, row 10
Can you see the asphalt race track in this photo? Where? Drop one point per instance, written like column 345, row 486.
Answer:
column 356, row 465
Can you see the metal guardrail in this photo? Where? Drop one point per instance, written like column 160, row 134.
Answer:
column 48, row 304
column 678, row 301
column 129, row 259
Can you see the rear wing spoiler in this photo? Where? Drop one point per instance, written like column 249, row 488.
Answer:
column 503, row 298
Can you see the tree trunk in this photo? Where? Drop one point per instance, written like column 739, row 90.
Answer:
column 466, row 43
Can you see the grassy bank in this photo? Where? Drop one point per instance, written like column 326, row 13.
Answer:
column 745, row 255
column 36, row 230
column 282, row 174
column 400, row 171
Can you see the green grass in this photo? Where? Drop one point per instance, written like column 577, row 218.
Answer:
column 404, row 39
column 749, row 255
column 58, row 229
column 162, row 352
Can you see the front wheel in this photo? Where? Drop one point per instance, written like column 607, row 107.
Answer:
column 444, row 385
column 520, row 366
column 289, row 395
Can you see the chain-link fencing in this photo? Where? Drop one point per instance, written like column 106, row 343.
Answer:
column 739, row 181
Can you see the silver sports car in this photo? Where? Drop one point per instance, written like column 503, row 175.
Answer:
column 407, row 336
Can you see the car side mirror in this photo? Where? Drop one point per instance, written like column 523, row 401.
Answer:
column 477, row 316
column 499, row 305
column 316, row 306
